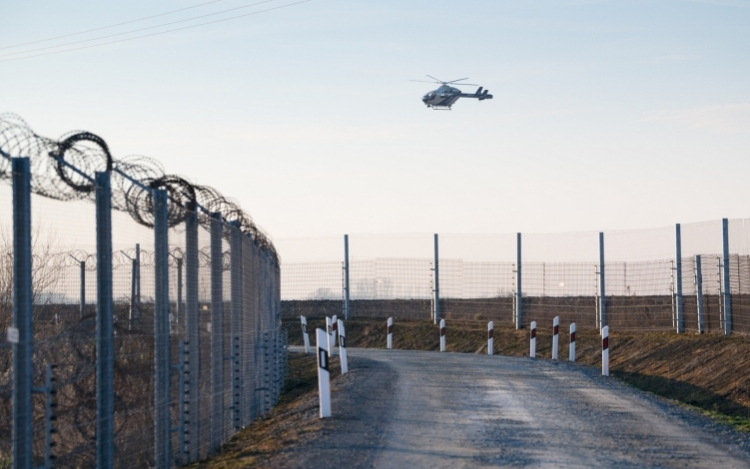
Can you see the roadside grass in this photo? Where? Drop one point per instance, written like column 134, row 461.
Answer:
column 738, row 423
column 294, row 419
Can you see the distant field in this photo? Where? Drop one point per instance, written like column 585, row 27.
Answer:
column 647, row 313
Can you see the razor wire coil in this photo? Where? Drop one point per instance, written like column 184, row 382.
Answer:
column 64, row 169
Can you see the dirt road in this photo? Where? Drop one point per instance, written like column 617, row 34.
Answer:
column 409, row 409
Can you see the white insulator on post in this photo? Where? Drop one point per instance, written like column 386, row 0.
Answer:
column 442, row 335
column 573, row 342
column 532, row 345
column 390, row 333
column 490, row 338
column 555, row 336
column 305, row 335
column 329, row 333
column 605, row 351
column 324, row 376
column 342, row 347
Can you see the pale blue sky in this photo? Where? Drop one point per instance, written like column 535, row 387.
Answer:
column 607, row 114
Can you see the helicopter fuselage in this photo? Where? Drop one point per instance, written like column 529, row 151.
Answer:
column 444, row 97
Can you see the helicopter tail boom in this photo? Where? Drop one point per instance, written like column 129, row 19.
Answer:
column 480, row 95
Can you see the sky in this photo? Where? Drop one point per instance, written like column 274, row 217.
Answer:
column 607, row 115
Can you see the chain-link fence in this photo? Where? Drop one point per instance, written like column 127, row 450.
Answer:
column 690, row 277
column 143, row 330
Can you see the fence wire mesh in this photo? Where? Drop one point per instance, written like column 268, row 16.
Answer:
column 394, row 275
column 197, row 351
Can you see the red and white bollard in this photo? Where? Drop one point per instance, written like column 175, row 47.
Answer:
column 532, row 346
column 324, row 376
column 329, row 332
column 490, row 338
column 390, row 333
column 442, row 335
column 555, row 336
column 305, row 335
column 573, row 342
column 605, row 351
column 342, row 348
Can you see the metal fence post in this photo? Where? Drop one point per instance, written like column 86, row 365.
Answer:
column 236, row 322
column 346, row 276
column 133, row 291
column 217, row 332
column 727, row 292
column 82, row 298
column 105, row 356
column 23, row 346
column 437, row 281
column 192, row 329
column 699, row 293
column 519, row 295
column 257, row 332
column 138, row 282
column 248, row 323
column 680, row 301
column 180, row 304
column 162, row 437
column 602, row 290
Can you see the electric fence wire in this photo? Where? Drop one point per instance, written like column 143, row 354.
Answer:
column 39, row 41
column 134, row 30
column 149, row 35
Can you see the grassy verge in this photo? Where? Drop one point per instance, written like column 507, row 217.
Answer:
column 293, row 420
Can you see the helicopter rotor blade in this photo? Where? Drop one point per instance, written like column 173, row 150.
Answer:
column 453, row 82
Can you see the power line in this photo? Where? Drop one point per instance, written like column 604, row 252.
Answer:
column 111, row 26
column 156, row 34
column 134, row 30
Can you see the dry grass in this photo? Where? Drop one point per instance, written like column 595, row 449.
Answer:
column 293, row 420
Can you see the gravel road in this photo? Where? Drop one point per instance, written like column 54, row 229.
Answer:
column 411, row 409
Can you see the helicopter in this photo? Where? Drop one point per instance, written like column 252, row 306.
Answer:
column 445, row 96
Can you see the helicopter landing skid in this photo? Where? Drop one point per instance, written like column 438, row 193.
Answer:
column 440, row 108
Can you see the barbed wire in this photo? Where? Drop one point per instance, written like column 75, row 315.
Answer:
column 64, row 169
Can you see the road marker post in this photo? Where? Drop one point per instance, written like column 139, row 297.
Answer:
column 305, row 335
column 390, row 333
column 605, row 351
column 555, row 336
column 324, row 376
column 532, row 346
column 329, row 332
column 490, row 338
column 573, row 342
column 342, row 348
column 334, row 329
column 442, row 335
